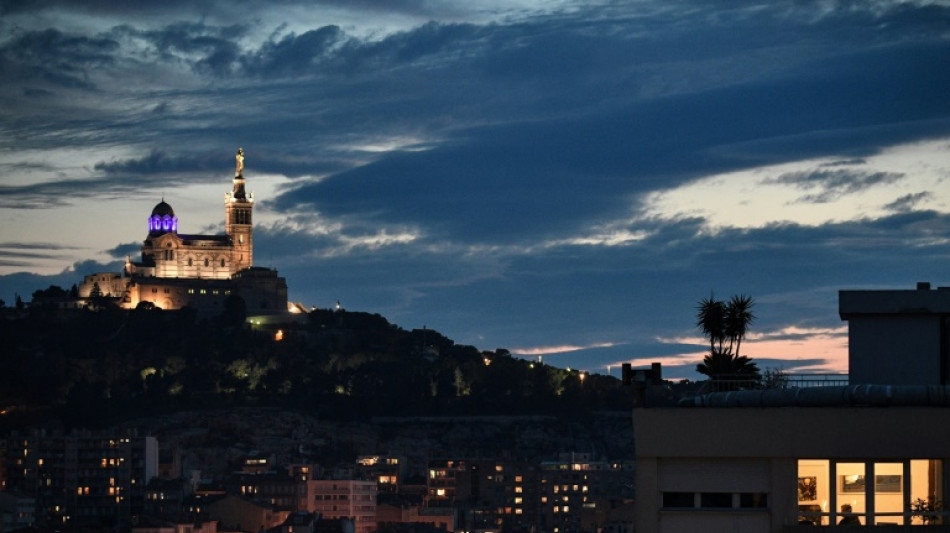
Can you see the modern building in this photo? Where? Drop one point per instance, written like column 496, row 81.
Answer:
column 387, row 470
column 16, row 512
column 898, row 337
column 82, row 479
column 574, row 486
column 872, row 452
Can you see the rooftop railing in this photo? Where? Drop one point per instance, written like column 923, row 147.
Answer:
column 778, row 380
column 815, row 380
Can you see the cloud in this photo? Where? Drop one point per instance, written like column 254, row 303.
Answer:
column 908, row 202
column 294, row 55
column 57, row 58
column 156, row 162
column 125, row 250
column 548, row 350
column 211, row 49
column 833, row 184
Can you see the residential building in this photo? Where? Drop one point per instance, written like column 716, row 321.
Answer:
column 869, row 453
column 412, row 513
column 387, row 470
column 153, row 525
column 351, row 498
column 574, row 486
column 16, row 512
column 898, row 337
column 82, row 478
column 292, row 488
column 165, row 497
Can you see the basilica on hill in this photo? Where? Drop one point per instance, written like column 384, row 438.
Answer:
column 198, row 271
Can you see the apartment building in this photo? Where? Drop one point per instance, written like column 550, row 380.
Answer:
column 873, row 452
column 82, row 478
column 355, row 499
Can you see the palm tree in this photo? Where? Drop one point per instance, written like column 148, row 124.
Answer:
column 738, row 316
column 723, row 365
column 711, row 319
column 719, row 322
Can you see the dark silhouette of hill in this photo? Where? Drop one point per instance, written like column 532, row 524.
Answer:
column 93, row 369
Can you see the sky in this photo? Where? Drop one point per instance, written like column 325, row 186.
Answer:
column 562, row 179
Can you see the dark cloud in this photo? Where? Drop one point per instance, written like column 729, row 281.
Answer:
column 294, row 55
column 35, row 246
column 906, row 203
column 57, row 58
column 125, row 250
column 527, row 178
column 577, row 295
column 155, row 162
column 212, row 49
column 56, row 194
column 220, row 9
column 831, row 185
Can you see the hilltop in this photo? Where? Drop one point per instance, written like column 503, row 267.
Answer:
column 94, row 369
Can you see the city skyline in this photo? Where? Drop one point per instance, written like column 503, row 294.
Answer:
column 564, row 180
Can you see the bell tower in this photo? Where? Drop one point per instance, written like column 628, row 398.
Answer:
column 238, row 207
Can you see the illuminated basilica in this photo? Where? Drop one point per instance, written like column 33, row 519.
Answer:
column 198, row 271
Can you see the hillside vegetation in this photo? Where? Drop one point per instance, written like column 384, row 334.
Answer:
column 91, row 369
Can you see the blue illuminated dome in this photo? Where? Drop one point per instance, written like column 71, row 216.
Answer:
column 163, row 219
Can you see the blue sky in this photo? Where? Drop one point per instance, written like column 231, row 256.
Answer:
column 561, row 179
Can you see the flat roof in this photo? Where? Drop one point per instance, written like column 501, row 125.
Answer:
column 924, row 300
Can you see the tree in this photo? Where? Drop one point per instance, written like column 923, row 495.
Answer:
column 738, row 316
column 723, row 365
column 711, row 319
column 725, row 325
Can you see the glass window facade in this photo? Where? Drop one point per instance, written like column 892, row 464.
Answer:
column 870, row 492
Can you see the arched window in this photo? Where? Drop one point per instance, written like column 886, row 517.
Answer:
column 222, row 263
column 206, row 261
column 189, row 262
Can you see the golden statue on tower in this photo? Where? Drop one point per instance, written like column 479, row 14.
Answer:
column 240, row 162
